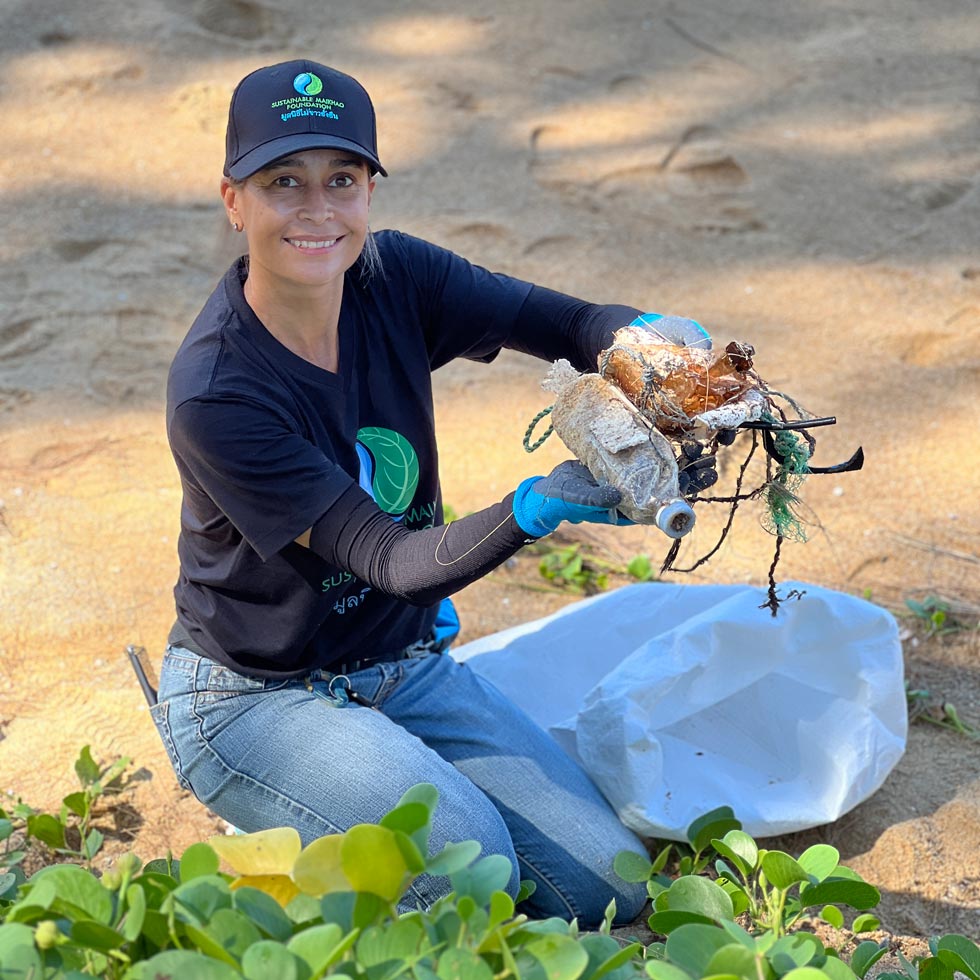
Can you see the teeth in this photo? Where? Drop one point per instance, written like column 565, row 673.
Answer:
column 323, row 244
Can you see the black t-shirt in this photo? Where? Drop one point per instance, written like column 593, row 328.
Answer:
column 268, row 445
column 265, row 442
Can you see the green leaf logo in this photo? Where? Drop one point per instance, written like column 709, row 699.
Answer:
column 396, row 468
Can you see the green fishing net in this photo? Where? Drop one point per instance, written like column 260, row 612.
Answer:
column 780, row 493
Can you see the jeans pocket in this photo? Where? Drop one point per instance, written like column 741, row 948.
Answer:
column 160, row 713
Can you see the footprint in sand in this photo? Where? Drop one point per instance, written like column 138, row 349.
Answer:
column 958, row 346
column 21, row 337
column 240, row 20
column 937, row 194
column 133, row 365
column 74, row 250
column 701, row 164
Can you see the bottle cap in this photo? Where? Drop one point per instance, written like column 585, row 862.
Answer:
column 675, row 518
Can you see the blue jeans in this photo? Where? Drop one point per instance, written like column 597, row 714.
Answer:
column 270, row 753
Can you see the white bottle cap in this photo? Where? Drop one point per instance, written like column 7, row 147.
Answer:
column 675, row 518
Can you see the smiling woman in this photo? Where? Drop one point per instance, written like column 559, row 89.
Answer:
column 305, row 683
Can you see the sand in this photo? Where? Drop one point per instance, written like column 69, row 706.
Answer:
column 802, row 177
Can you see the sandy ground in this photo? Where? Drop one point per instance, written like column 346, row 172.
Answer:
column 801, row 176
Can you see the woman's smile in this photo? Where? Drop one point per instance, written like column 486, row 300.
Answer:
column 313, row 245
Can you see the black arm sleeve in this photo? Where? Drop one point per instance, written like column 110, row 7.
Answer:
column 551, row 325
column 419, row 567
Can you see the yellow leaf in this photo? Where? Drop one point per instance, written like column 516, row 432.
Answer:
column 318, row 869
column 268, row 852
column 281, row 887
column 373, row 862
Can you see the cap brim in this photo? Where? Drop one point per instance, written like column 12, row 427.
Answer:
column 263, row 155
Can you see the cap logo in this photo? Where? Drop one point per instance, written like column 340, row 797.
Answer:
column 306, row 83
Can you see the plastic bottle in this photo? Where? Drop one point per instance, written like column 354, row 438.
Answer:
column 606, row 432
column 670, row 384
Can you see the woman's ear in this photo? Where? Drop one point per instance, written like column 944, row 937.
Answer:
column 229, row 194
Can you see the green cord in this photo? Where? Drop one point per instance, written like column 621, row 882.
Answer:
column 530, row 430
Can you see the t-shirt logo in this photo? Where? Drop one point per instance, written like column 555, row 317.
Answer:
column 389, row 468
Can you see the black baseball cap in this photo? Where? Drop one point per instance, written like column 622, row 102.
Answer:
column 293, row 106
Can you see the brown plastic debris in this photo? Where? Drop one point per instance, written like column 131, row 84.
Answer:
column 674, row 385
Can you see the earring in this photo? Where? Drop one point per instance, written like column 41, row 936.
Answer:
column 237, row 226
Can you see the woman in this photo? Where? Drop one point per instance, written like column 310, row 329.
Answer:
column 305, row 682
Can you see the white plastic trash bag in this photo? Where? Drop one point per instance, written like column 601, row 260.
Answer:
column 680, row 698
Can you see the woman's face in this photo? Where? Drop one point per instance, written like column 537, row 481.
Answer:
column 305, row 215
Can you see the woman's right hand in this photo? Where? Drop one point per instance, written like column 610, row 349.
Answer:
column 569, row 493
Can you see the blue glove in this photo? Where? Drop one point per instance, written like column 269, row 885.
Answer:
column 677, row 330
column 568, row 493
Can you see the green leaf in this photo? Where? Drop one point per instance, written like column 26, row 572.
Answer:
column 94, row 935
column 37, row 899
column 561, row 956
column 462, row 964
column 396, row 468
column 781, row 870
column 398, row 940
column 714, row 823
column 197, row 900
column 373, row 862
column 616, row 956
column 197, row 861
column 736, row 932
column 47, row 829
column 961, row 954
column 8, row 885
column 131, row 924
column 641, row 568
column 865, row 923
column 335, row 907
column 734, row 960
column 268, row 960
column 820, row 860
column 667, row 921
column 832, row 915
column 93, row 843
column 700, row 895
column 805, row 973
column 837, row 969
column 184, row 964
column 320, row 946
column 935, row 969
column 453, row 858
column 692, row 946
column 413, row 819
column 866, row 955
column 226, row 936
column 795, row 950
column 21, row 960
column 739, row 848
column 840, row 891
column 79, row 893
column 662, row 970
column 15, row 937
column 490, row 874
column 264, row 911
column 78, row 803
column 631, row 866
column 86, row 768
column 369, row 909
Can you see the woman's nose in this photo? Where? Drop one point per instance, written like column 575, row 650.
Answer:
column 316, row 205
